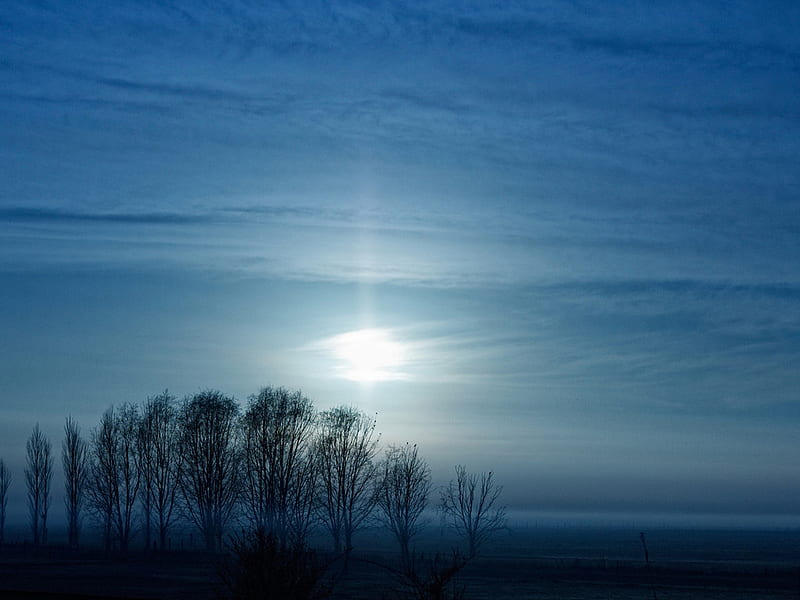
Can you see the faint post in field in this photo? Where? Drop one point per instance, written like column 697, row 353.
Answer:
column 5, row 482
column 647, row 563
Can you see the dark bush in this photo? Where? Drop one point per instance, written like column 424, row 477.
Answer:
column 434, row 578
column 261, row 568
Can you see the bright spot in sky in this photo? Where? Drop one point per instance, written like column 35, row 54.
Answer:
column 368, row 355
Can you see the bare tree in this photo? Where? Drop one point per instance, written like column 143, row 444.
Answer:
column 38, row 476
column 468, row 505
column 345, row 450
column 159, row 464
column 302, row 508
column 115, row 479
column 104, row 475
column 127, row 425
column 74, row 460
column 145, row 466
column 276, row 430
column 402, row 494
column 5, row 482
column 210, row 457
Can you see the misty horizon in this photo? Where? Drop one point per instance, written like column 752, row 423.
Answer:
column 594, row 511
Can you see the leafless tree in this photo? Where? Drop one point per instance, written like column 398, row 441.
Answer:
column 210, row 457
column 276, row 430
column 127, row 425
column 159, row 465
column 345, row 449
column 115, row 478
column 5, row 482
column 104, row 476
column 74, row 460
column 38, row 476
column 402, row 494
column 145, row 466
column 302, row 508
column 469, row 506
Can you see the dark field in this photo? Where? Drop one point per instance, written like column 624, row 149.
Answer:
column 544, row 563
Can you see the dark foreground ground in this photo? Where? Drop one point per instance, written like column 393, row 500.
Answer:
column 537, row 563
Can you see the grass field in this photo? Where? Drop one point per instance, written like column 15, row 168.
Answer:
column 541, row 563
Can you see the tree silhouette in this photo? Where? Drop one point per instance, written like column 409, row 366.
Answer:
column 402, row 494
column 277, row 466
column 74, row 460
column 280, row 465
column 130, row 480
column 159, row 464
column 209, row 479
column 345, row 449
column 38, row 475
column 5, row 482
column 468, row 506
column 115, row 480
column 302, row 515
column 103, row 475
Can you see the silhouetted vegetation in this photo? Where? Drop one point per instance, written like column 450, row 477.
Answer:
column 262, row 567
column 435, row 578
column 115, row 476
column 210, row 471
column 469, row 505
column 279, row 469
column 402, row 494
column 345, row 450
column 75, row 462
column 279, row 472
column 158, row 452
column 38, row 475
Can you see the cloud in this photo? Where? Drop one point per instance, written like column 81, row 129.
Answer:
column 21, row 214
column 417, row 247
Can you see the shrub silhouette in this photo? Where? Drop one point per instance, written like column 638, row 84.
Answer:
column 434, row 579
column 260, row 567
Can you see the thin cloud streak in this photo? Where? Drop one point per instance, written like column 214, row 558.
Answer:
column 21, row 214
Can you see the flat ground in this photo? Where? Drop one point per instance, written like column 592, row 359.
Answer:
column 545, row 564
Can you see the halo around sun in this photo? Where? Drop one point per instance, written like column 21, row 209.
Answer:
column 368, row 355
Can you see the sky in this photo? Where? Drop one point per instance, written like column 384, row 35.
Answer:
column 556, row 240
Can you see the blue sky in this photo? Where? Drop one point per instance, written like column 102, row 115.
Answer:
column 580, row 221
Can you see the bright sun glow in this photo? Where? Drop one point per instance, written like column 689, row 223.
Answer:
column 368, row 355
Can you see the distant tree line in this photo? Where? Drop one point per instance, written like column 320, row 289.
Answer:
column 278, row 465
